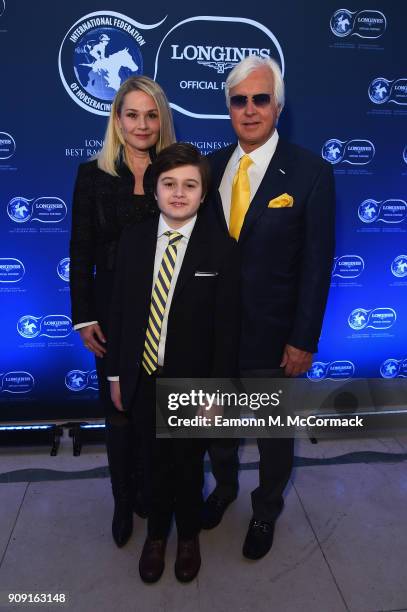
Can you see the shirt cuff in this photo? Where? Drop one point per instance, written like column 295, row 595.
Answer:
column 80, row 325
column 113, row 378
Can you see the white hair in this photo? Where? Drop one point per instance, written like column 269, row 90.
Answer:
column 242, row 70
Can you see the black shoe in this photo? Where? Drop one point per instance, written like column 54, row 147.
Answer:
column 152, row 560
column 259, row 539
column 188, row 559
column 213, row 511
column 122, row 524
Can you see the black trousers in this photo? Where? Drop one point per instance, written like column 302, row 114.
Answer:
column 175, row 467
column 275, row 466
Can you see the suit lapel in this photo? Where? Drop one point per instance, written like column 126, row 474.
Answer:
column 218, row 166
column 144, row 256
column 274, row 183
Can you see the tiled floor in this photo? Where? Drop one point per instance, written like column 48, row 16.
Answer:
column 340, row 544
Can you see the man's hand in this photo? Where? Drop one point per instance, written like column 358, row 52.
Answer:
column 295, row 361
column 115, row 395
column 93, row 339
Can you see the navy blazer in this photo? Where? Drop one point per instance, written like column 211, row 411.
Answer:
column 286, row 254
column 204, row 318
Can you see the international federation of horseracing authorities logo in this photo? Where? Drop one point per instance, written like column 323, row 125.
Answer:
column 365, row 24
column 376, row 318
column 386, row 211
column 348, row 266
column 2, row 6
column 196, row 55
column 46, row 209
column 11, row 270
column 7, row 145
column 50, row 326
column 382, row 90
column 399, row 266
column 16, row 382
column 356, row 152
column 394, row 368
column 63, row 269
column 78, row 380
column 99, row 52
column 331, row 370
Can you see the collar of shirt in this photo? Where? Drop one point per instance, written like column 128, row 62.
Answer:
column 185, row 230
column 262, row 155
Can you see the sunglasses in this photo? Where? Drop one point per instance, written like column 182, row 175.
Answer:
column 260, row 100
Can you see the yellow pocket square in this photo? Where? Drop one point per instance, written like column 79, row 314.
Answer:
column 282, row 201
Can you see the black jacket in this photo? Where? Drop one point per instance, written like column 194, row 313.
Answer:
column 103, row 205
column 204, row 318
column 286, row 254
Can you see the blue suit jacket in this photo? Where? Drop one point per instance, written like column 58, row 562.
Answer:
column 286, row 254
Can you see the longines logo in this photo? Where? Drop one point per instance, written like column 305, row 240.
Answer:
column 399, row 266
column 11, row 270
column 377, row 318
column 382, row 90
column 386, row 211
column 16, row 382
column 195, row 56
column 50, row 326
column 348, row 266
column 331, row 370
column 99, row 52
column 364, row 24
column 46, row 209
column 356, row 152
column 394, row 368
column 7, row 145
column 79, row 380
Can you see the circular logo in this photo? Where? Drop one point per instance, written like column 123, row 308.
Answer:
column 63, row 269
column 389, row 368
column 405, row 154
column 332, row 151
column 369, row 211
column 317, row 371
column 341, row 22
column 7, row 144
column 76, row 380
column 99, row 52
column 28, row 326
column 19, row 209
column 399, row 266
column 358, row 318
column 2, row 6
column 379, row 91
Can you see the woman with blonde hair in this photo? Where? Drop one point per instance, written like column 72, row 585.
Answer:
column 114, row 191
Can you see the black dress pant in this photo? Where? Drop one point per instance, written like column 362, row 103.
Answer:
column 175, row 467
column 275, row 466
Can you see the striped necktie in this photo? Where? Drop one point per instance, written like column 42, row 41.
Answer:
column 240, row 197
column 159, row 298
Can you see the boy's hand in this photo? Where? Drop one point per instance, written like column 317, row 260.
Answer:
column 116, row 395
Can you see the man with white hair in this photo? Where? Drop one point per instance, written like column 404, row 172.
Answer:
column 277, row 200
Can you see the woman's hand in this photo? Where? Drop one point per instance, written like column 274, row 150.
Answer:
column 115, row 395
column 93, row 339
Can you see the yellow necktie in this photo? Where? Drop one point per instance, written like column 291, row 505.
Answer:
column 240, row 197
column 159, row 298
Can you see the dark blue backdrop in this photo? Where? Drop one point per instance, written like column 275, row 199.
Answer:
column 346, row 81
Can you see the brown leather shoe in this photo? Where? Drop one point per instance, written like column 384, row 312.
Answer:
column 188, row 559
column 151, row 565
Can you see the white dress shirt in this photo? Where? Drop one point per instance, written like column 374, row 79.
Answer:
column 261, row 158
column 162, row 243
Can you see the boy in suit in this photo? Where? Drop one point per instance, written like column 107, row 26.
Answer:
column 175, row 314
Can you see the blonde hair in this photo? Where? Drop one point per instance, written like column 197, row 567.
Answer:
column 113, row 142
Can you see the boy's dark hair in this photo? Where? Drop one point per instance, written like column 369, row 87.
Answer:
column 180, row 154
